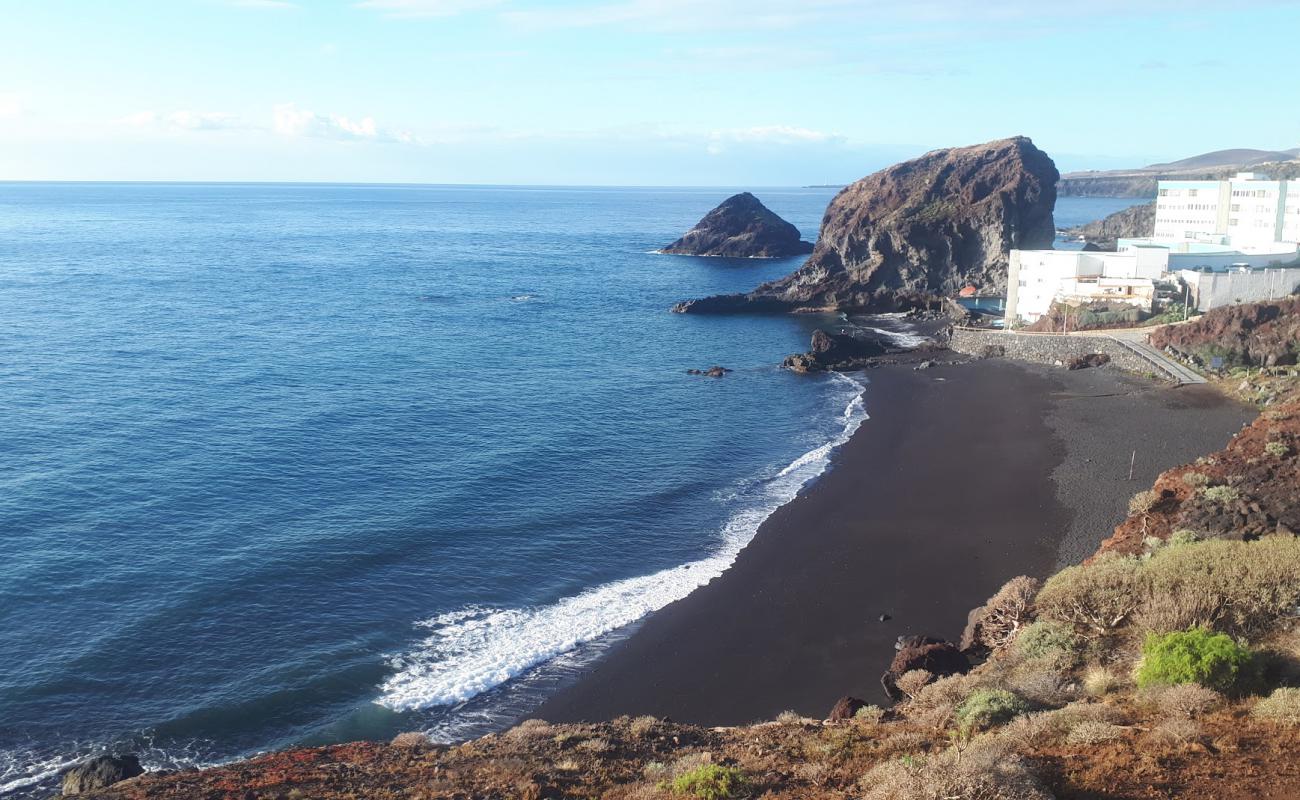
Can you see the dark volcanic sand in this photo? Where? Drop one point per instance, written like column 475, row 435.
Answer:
column 962, row 478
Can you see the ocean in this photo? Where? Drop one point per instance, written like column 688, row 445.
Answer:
column 291, row 464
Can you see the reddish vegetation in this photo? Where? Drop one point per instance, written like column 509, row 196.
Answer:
column 1252, row 334
column 1260, row 472
column 1234, row 757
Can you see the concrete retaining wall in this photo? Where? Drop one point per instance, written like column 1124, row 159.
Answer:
column 1049, row 348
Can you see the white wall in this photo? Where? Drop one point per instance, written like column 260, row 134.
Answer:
column 1214, row 289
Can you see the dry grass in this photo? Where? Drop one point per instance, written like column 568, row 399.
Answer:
column 1283, row 705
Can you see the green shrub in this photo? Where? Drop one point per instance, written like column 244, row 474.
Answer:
column 1193, row 656
column 1277, row 449
column 1220, row 494
column 1196, row 480
column 1046, row 637
column 711, row 782
column 1283, row 705
column 988, row 707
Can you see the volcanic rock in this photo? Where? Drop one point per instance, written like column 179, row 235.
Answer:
column 1132, row 222
column 845, row 708
column 712, row 372
column 1087, row 361
column 917, row 230
column 100, row 772
column 741, row 227
column 835, row 351
column 938, row 657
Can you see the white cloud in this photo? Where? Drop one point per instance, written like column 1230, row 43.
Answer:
column 289, row 120
column 427, row 8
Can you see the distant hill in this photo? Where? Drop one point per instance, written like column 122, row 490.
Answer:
column 1240, row 157
column 1141, row 181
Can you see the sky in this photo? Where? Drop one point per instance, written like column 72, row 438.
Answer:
column 627, row 92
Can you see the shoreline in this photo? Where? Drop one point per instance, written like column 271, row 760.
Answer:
column 963, row 477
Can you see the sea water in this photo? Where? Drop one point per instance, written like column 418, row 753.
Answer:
column 289, row 464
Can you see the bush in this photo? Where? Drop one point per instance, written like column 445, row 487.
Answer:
column 1091, row 732
column 869, row 714
column 1046, row 637
column 1283, row 705
column 1097, row 597
column 986, row 771
column 711, row 782
column 997, row 623
column 1277, row 449
column 1194, row 656
column 1242, row 588
column 1143, row 502
column 1196, row 480
column 1188, row 701
column 988, row 707
column 913, row 681
column 1222, row 495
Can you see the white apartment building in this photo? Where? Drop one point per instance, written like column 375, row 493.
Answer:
column 1202, row 228
column 1252, row 213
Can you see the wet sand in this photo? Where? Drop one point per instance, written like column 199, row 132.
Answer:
column 963, row 477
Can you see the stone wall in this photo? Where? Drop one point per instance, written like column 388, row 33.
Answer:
column 1049, row 348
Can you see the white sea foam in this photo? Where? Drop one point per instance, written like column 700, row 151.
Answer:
column 474, row 649
column 19, row 772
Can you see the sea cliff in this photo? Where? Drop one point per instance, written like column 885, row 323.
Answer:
column 916, row 231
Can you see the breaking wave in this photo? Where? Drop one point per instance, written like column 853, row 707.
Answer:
column 474, row 649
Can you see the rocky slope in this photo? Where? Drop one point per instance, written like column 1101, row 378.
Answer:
column 741, row 227
column 1249, row 489
column 1263, row 334
column 1129, row 223
column 917, row 230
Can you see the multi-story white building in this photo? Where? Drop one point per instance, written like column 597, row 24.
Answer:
column 1250, row 212
column 1234, row 227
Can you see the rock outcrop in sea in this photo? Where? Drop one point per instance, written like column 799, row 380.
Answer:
column 741, row 227
column 916, row 231
column 1103, row 234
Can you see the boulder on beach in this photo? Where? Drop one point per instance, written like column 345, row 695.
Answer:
column 938, row 657
column 99, row 772
column 921, row 229
column 741, row 227
column 836, row 351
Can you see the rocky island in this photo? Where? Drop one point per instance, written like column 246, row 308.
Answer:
column 916, row 231
column 741, row 227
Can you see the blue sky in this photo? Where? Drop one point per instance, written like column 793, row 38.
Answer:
column 720, row 92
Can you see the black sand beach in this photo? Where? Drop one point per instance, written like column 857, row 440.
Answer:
column 963, row 477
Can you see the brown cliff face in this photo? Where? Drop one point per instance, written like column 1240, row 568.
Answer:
column 922, row 228
column 1248, row 335
column 741, row 227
